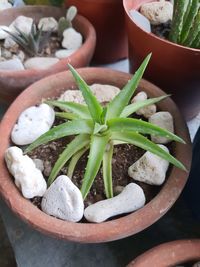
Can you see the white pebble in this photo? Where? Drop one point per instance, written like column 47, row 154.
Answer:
column 32, row 123
column 63, row 53
column 5, row 5
column 48, row 24
column 150, row 168
column 140, row 20
column 3, row 34
column 129, row 200
column 9, row 42
column 72, row 39
column 11, row 65
column 147, row 111
column 157, row 12
column 27, row 177
column 63, row 200
column 164, row 120
column 40, row 63
column 22, row 23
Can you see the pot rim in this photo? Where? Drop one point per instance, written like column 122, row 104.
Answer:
column 151, row 35
column 91, row 232
column 79, row 19
column 175, row 252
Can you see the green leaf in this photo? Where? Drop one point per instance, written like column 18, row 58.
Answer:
column 144, row 143
column 107, row 170
column 98, row 128
column 97, row 148
column 73, row 147
column 94, row 106
column 78, row 109
column 66, row 115
column 62, row 130
column 74, row 161
column 130, row 109
column 116, row 106
column 194, row 31
column 129, row 124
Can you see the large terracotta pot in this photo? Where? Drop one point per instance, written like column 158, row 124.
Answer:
column 90, row 232
column 173, row 67
column 107, row 16
column 13, row 82
column 169, row 254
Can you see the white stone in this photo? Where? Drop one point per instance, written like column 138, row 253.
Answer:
column 22, row 23
column 27, row 177
column 18, row 3
column 20, row 55
column 48, row 24
column 39, row 164
column 147, row 111
column 103, row 92
column 41, row 63
column 164, row 120
column 157, row 12
column 3, row 34
column 5, row 5
column 129, row 200
column 63, row 53
column 9, row 42
column 150, row 168
column 140, row 20
column 32, row 123
column 63, row 200
column 11, row 64
column 72, row 39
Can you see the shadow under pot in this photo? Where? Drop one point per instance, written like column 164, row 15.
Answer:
column 173, row 67
column 14, row 82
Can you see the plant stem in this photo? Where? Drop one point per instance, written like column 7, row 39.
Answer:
column 194, row 31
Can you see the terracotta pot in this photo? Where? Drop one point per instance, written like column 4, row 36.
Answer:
column 90, row 232
column 173, row 67
column 13, row 82
column 169, row 254
column 107, row 16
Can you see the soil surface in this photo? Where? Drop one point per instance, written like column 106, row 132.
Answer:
column 161, row 30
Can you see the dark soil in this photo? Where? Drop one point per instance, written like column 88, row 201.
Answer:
column 161, row 30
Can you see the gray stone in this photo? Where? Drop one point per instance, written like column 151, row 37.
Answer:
column 12, row 64
column 140, row 20
column 40, row 62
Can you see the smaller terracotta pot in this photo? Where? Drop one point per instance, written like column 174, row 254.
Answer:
column 107, row 16
column 13, row 82
column 173, row 67
column 169, row 254
column 114, row 229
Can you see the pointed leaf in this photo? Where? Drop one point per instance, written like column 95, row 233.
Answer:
column 62, row 130
column 94, row 106
column 66, row 115
column 130, row 109
column 78, row 109
column 129, row 124
column 73, row 147
column 144, row 143
column 97, row 148
column 107, row 171
column 116, row 106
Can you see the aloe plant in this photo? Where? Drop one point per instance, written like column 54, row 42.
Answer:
column 31, row 43
column 98, row 129
column 185, row 28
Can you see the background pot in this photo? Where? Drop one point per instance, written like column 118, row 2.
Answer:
column 169, row 254
column 173, row 67
column 13, row 82
column 110, row 230
column 107, row 16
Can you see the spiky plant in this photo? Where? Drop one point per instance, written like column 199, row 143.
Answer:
column 98, row 129
column 66, row 22
column 33, row 42
column 185, row 28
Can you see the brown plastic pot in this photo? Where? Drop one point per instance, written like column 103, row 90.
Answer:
column 107, row 16
column 90, row 232
column 169, row 254
column 13, row 82
column 173, row 67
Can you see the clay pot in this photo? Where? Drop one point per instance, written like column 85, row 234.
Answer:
column 89, row 232
column 107, row 16
column 13, row 82
column 169, row 254
column 173, row 67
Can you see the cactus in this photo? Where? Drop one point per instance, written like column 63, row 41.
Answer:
column 185, row 28
column 66, row 22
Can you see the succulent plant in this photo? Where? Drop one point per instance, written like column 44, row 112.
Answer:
column 66, row 22
column 31, row 43
column 185, row 28
column 98, row 129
